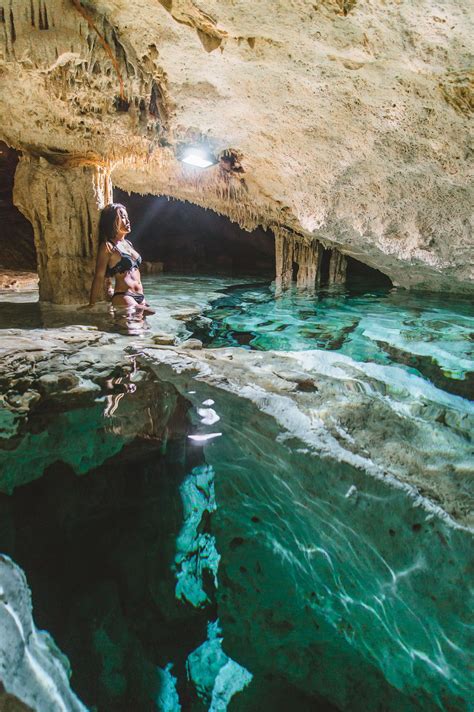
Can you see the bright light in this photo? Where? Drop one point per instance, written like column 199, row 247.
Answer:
column 197, row 157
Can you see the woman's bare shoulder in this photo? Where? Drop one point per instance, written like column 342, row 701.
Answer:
column 106, row 248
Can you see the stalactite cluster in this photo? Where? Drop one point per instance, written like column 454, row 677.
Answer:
column 94, row 74
column 303, row 256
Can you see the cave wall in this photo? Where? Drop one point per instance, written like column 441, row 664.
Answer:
column 346, row 122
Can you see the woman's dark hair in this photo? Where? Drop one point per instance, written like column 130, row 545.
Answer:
column 108, row 222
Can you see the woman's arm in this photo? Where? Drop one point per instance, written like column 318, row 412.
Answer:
column 97, row 289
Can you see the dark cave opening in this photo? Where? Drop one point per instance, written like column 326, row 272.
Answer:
column 17, row 251
column 186, row 238
column 360, row 273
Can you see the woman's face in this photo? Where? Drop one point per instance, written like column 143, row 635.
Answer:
column 123, row 222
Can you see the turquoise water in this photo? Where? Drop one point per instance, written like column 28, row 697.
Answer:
column 428, row 335
column 177, row 545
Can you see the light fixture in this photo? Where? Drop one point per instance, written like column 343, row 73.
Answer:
column 197, row 156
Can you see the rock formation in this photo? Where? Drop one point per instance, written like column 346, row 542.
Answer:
column 32, row 667
column 329, row 575
column 63, row 205
column 344, row 122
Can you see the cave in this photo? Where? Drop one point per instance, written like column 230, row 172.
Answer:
column 18, row 259
column 186, row 238
column 236, row 418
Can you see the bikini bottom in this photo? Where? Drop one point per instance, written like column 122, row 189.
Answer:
column 139, row 298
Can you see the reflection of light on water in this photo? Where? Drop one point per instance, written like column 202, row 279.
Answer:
column 208, row 416
column 204, row 437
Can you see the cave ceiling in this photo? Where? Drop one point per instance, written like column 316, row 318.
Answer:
column 347, row 121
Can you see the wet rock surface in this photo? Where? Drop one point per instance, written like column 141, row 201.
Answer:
column 330, row 565
column 321, row 523
column 31, row 666
column 391, row 423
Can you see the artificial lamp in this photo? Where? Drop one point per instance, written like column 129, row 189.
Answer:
column 197, row 156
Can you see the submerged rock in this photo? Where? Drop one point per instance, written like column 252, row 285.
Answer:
column 31, row 666
column 336, row 573
column 217, row 678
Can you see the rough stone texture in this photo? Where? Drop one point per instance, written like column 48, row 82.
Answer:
column 63, row 207
column 18, row 280
column 32, row 668
column 334, row 575
column 340, row 120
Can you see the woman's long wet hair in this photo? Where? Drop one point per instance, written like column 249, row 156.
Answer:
column 108, row 222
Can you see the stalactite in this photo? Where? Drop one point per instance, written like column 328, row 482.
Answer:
column 337, row 267
column 284, row 248
column 293, row 249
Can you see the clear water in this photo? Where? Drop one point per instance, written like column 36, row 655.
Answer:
column 171, row 521
column 428, row 335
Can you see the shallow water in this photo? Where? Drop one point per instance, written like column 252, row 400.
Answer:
column 426, row 334
column 167, row 294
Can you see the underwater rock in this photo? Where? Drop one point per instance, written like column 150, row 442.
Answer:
column 216, row 677
column 59, row 393
column 164, row 339
column 356, row 412
column 168, row 699
column 32, row 668
column 343, row 559
column 195, row 550
column 191, row 345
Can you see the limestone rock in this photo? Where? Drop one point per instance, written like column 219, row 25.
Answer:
column 343, row 121
column 63, row 207
column 164, row 339
column 191, row 345
column 31, row 666
column 15, row 280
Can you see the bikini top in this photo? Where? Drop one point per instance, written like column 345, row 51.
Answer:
column 125, row 264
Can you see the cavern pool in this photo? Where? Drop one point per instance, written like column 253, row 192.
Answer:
column 427, row 334
column 187, row 553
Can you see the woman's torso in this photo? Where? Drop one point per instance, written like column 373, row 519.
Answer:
column 124, row 264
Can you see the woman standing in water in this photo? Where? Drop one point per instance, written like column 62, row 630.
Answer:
column 117, row 258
